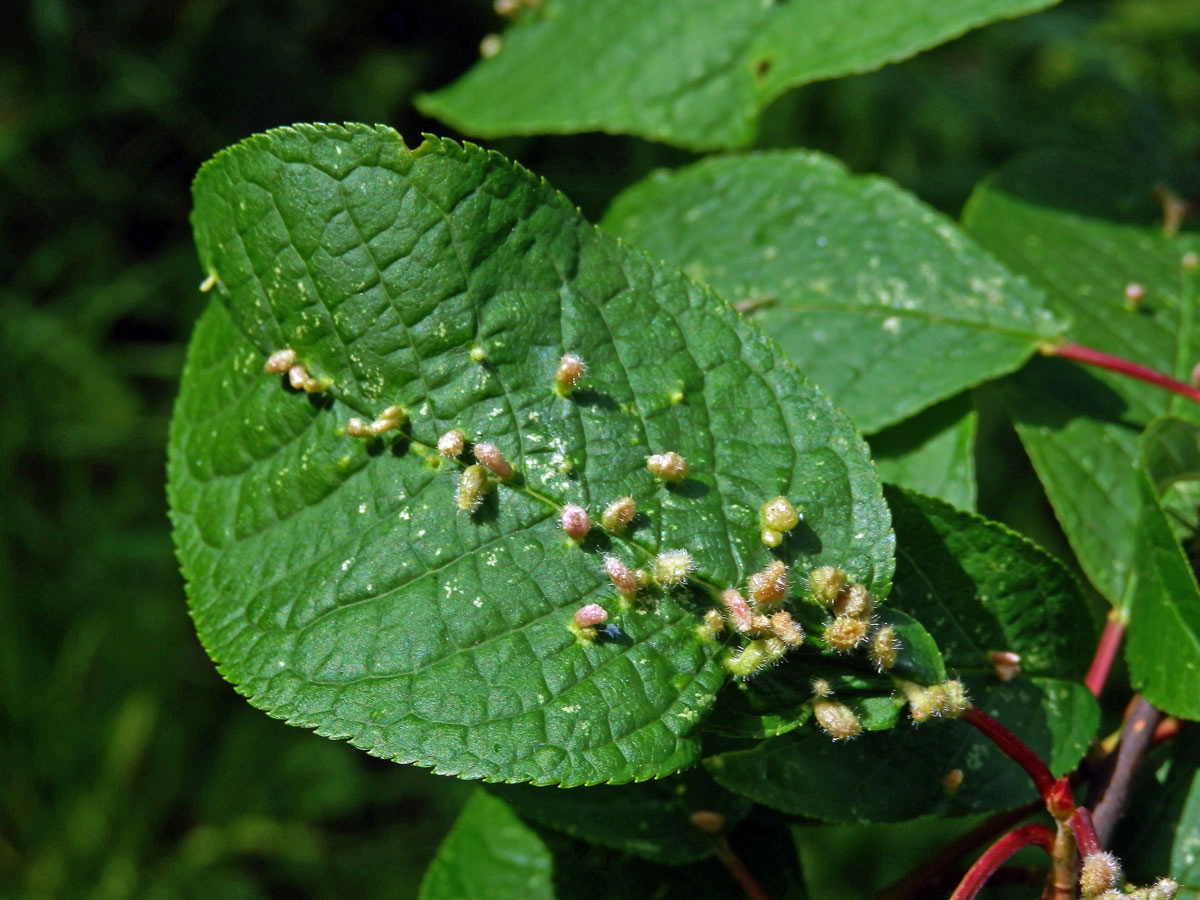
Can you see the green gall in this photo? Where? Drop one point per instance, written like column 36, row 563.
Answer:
column 854, row 600
column 472, row 487
column 356, row 427
column 778, row 514
column 882, row 648
column 845, row 633
column 1100, row 872
column 755, row 656
column 668, row 467
column 672, row 568
column 786, row 630
column 825, row 583
column 771, row 538
column 713, row 625
column 280, row 361
column 618, row 514
column 836, row 719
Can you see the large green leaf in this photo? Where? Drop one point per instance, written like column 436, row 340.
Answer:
column 879, row 299
column 1083, row 231
column 333, row 579
column 490, row 854
column 979, row 588
column 689, row 72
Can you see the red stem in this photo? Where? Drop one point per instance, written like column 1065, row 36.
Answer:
column 1013, row 747
column 1090, row 357
column 994, row 857
column 1085, row 833
column 1106, row 652
column 738, row 869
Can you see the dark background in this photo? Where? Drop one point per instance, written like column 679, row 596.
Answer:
column 128, row 768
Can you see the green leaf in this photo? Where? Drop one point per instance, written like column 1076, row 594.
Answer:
column 1171, row 452
column 1163, row 641
column 650, row 820
column 879, row 299
column 1082, row 231
column 334, row 580
column 685, row 72
column 895, row 775
column 932, row 453
column 490, row 854
column 978, row 588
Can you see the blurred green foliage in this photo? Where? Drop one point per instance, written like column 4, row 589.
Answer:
column 129, row 768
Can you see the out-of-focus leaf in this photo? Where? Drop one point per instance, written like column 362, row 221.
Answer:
column 490, row 854
column 932, row 453
column 689, row 72
column 1085, row 231
column 880, row 300
column 650, row 820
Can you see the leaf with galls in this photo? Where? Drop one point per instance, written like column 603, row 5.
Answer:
column 336, row 581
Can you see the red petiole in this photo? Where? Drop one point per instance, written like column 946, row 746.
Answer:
column 1090, row 357
column 996, row 855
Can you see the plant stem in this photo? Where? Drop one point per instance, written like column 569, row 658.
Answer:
column 1090, row 357
column 1014, row 748
column 1085, row 833
column 994, row 856
column 1106, row 652
column 1111, row 787
column 921, row 881
column 737, row 869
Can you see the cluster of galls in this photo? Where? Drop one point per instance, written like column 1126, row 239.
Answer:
column 757, row 616
column 284, row 362
column 1101, row 877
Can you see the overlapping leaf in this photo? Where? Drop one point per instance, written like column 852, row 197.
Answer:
column 1163, row 648
column 651, row 820
column 490, row 854
column 879, row 299
column 334, row 580
column 932, row 453
column 979, row 588
column 1086, row 232
column 689, row 72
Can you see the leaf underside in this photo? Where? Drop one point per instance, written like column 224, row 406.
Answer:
column 334, row 580
column 689, row 72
